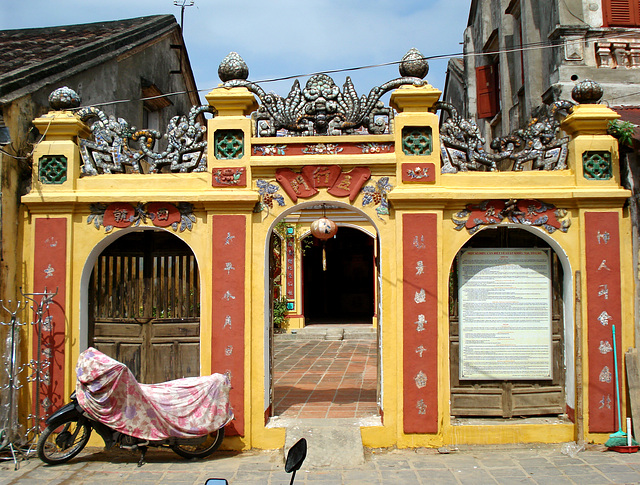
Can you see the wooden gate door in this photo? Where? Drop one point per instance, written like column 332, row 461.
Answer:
column 144, row 306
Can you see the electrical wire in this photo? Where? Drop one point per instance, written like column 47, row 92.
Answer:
column 525, row 47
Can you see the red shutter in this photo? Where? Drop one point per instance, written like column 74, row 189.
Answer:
column 487, row 90
column 621, row 13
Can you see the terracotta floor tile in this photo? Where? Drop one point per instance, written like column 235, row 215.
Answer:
column 317, row 378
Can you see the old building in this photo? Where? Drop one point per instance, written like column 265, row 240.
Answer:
column 110, row 64
column 492, row 282
column 521, row 53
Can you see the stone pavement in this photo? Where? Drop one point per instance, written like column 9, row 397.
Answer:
column 499, row 464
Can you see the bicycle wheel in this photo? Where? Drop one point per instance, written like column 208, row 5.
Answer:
column 201, row 450
column 59, row 443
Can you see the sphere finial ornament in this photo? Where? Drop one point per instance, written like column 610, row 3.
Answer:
column 587, row 92
column 64, row 98
column 414, row 64
column 233, row 67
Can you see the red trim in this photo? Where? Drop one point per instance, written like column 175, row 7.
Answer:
column 228, row 321
column 420, row 322
column 602, row 249
column 50, row 266
column 571, row 414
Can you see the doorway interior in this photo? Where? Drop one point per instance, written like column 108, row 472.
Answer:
column 313, row 377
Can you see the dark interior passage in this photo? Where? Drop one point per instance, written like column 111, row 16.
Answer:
column 344, row 293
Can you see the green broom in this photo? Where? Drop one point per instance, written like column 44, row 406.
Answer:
column 619, row 438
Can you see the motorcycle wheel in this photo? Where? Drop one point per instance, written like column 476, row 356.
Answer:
column 202, row 450
column 59, row 443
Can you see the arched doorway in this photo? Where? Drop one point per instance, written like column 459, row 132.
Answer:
column 510, row 389
column 313, row 374
column 342, row 293
column 144, row 306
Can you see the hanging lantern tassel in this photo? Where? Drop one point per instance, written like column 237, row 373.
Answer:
column 324, row 229
column 324, row 256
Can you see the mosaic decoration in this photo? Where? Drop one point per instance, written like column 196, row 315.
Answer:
column 267, row 192
column 322, row 149
column 376, row 194
column 305, row 184
column 597, row 165
column 418, row 172
column 229, row 144
column 462, row 146
column 161, row 214
column 233, row 67
column 52, row 169
column 376, row 147
column 223, row 177
column 524, row 211
column 117, row 147
column 343, row 148
column 322, row 109
column 64, row 98
column 417, row 140
column 604, row 300
column 270, row 150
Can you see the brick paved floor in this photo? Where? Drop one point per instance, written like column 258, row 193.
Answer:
column 325, row 379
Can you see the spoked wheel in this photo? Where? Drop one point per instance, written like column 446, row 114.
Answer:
column 202, row 450
column 61, row 442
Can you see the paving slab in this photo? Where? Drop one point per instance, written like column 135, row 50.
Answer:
column 515, row 464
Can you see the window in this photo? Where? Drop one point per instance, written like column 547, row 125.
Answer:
column 487, row 90
column 621, row 13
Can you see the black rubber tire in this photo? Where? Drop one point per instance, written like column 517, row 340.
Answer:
column 51, row 451
column 202, row 450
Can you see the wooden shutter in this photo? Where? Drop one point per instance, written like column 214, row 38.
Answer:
column 487, row 90
column 621, row 13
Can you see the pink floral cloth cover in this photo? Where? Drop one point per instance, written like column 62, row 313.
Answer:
column 185, row 408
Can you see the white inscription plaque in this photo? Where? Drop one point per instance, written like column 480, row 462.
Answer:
column 504, row 302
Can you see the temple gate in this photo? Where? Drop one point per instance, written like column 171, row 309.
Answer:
column 469, row 276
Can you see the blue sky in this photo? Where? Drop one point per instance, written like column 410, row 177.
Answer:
column 281, row 38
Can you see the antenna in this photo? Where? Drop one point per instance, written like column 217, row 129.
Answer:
column 183, row 4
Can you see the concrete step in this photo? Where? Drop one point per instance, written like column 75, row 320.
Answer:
column 331, row 443
column 330, row 332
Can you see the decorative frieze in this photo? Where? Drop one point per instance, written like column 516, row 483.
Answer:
column 160, row 214
column 524, row 211
column 305, row 184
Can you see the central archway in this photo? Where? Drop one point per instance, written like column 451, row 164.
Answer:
column 311, row 376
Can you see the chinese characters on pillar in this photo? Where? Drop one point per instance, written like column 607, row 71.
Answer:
column 290, row 266
column 602, row 248
column 50, row 271
column 228, row 284
column 420, row 330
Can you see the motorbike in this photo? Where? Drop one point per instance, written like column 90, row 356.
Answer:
column 186, row 415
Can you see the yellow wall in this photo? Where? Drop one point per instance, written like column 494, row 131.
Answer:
column 444, row 197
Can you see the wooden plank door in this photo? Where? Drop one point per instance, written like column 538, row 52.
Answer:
column 145, row 308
